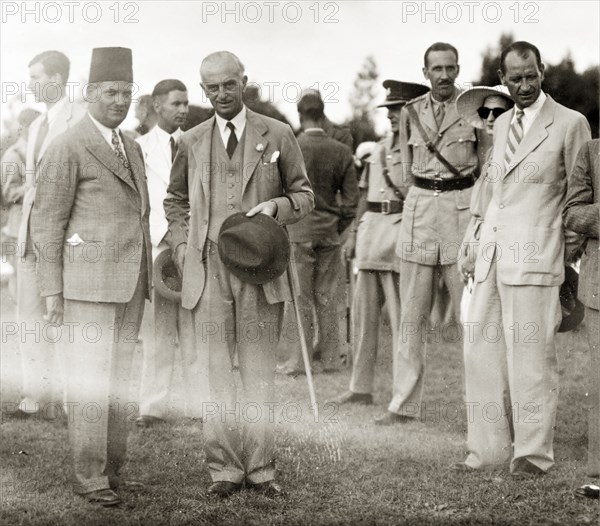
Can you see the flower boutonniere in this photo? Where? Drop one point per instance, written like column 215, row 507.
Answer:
column 259, row 147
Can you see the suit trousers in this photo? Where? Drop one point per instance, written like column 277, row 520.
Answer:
column 417, row 289
column 231, row 316
column 174, row 339
column 319, row 266
column 511, row 373
column 99, row 360
column 592, row 322
column 373, row 289
column 39, row 345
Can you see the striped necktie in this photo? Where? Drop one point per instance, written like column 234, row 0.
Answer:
column 515, row 135
column 119, row 153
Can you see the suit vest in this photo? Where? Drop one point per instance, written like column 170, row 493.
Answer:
column 226, row 181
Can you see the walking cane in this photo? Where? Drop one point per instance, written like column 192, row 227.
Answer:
column 305, row 357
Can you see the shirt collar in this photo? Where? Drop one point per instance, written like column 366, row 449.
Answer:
column 55, row 110
column 165, row 137
column 315, row 131
column 105, row 131
column 239, row 121
column 530, row 111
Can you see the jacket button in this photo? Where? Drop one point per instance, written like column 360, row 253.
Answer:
column 501, row 206
column 495, row 229
column 230, row 207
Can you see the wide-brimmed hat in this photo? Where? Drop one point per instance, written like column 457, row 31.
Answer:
column 469, row 101
column 255, row 249
column 165, row 276
column 573, row 310
column 401, row 92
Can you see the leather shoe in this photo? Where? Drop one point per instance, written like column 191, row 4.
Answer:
column 462, row 467
column 103, row 497
column 223, row 489
column 269, row 489
column 288, row 371
column 148, row 421
column 354, row 398
column 524, row 470
column 589, row 491
column 390, row 419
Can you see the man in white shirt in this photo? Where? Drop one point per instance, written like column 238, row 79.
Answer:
column 172, row 323
column 511, row 369
column 42, row 378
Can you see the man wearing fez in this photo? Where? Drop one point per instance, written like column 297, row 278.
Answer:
column 173, row 329
column 236, row 162
column 316, row 238
column 90, row 226
column 373, row 243
column 439, row 158
column 42, row 367
column 517, row 277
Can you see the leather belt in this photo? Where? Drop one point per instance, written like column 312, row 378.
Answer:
column 444, row 185
column 385, row 207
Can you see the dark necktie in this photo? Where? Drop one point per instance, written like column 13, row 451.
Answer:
column 173, row 148
column 232, row 142
column 39, row 140
column 119, row 153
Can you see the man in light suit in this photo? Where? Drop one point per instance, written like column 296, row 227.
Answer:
column 42, row 376
column 172, row 323
column 582, row 215
column 90, row 228
column 511, row 370
column 237, row 161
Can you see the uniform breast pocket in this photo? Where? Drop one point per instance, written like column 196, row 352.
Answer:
column 419, row 153
column 460, row 149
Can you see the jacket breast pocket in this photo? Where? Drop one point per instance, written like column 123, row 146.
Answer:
column 460, row 148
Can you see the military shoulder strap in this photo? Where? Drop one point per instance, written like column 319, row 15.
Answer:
column 431, row 146
column 386, row 175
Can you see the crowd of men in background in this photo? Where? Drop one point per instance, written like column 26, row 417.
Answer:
column 163, row 207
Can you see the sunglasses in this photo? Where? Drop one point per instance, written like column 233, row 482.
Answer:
column 484, row 112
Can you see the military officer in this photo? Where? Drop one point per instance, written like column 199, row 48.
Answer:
column 439, row 158
column 379, row 215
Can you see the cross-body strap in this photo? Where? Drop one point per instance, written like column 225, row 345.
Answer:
column 386, row 175
column 431, row 146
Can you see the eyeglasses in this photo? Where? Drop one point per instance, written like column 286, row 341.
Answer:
column 229, row 86
column 484, row 112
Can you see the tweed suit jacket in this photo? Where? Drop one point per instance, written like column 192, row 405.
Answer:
column 523, row 222
column 582, row 215
column 90, row 220
column 70, row 115
column 187, row 204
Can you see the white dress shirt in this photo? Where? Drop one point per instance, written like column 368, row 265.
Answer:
column 529, row 113
column 239, row 121
column 107, row 134
column 164, row 139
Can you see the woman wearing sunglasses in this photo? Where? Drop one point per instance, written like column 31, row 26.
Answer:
column 480, row 107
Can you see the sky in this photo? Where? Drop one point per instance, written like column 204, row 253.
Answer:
column 287, row 46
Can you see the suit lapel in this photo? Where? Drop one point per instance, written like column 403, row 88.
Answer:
column 201, row 152
column 536, row 134
column 97, row 146
column 451, row 116
column 60, row 125
column 255, row 130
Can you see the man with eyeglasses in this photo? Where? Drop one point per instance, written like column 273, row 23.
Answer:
column 236, row 162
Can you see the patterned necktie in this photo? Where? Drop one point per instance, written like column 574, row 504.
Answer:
column 173, row 148
column 232, row 142
column 515, row 135
column 39, row 140
column 119, row 153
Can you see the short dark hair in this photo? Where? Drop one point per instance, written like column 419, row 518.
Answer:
column 164, row 87
column 53, row 62
column 311, row 105
column 521, row 48
column 440, row 46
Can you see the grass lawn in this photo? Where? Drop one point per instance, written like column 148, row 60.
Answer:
column 340, row 470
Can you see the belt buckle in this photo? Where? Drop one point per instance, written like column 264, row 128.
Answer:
column 386, row 207
column 437, row 185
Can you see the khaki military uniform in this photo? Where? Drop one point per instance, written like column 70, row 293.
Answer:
column 378, row 264
column 431, row 232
